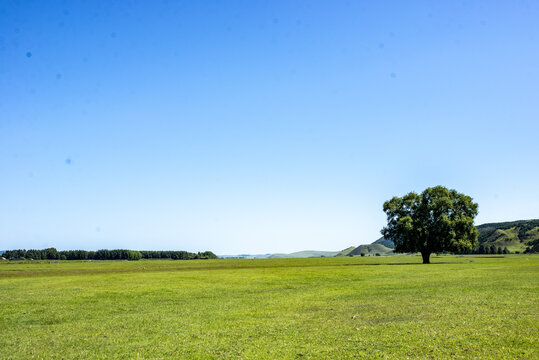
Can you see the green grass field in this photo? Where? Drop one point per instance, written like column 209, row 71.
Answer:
column 325, row 308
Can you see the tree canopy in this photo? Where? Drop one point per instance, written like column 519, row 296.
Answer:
column 436, row 220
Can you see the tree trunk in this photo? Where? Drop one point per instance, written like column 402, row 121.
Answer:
column 426, row 257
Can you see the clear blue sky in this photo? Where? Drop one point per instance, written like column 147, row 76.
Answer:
column 259, row 126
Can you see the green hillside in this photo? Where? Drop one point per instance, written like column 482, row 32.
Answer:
column 346, row 252
column 515, row 235
column 372, row 249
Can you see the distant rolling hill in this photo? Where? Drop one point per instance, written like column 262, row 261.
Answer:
column 376, row 247
column 304, row 254
column 515, row 235
column 298, row 254
column 387, row 243
column 346, row 252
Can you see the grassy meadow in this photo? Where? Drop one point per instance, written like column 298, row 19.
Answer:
column 324, row 308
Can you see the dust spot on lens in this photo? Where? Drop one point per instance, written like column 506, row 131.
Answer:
column 28, row 54
column 58, row 76
column 381, row 45
column 68, row 161
column 393, row 75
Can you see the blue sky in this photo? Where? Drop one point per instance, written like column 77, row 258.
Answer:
column 256, row 126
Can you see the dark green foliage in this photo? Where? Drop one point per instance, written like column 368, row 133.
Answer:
column 206, row 255
column 117, row 254
column 533, row 247
column 481, row 249
column 505, row 250
column 104, row 254
column 134, row 255
column 45, row 254
column 436, row 220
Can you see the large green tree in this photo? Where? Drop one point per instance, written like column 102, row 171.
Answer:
column 436, row 220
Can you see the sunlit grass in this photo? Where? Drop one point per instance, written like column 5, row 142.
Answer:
column 326, row 308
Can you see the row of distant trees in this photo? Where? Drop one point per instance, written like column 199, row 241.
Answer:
column 104, row 254
column 177, row 255
column 488, row 249
column 492, row 249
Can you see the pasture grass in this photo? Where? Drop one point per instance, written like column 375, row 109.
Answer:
column 325, row 308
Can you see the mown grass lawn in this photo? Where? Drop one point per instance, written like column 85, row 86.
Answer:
column 325, row 308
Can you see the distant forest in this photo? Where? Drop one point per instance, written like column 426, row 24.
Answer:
column 117, row 254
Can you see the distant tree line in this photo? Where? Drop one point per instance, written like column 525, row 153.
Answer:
column 176, row 255
column 492, row 249
column 116, row 254
column 488, row 249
